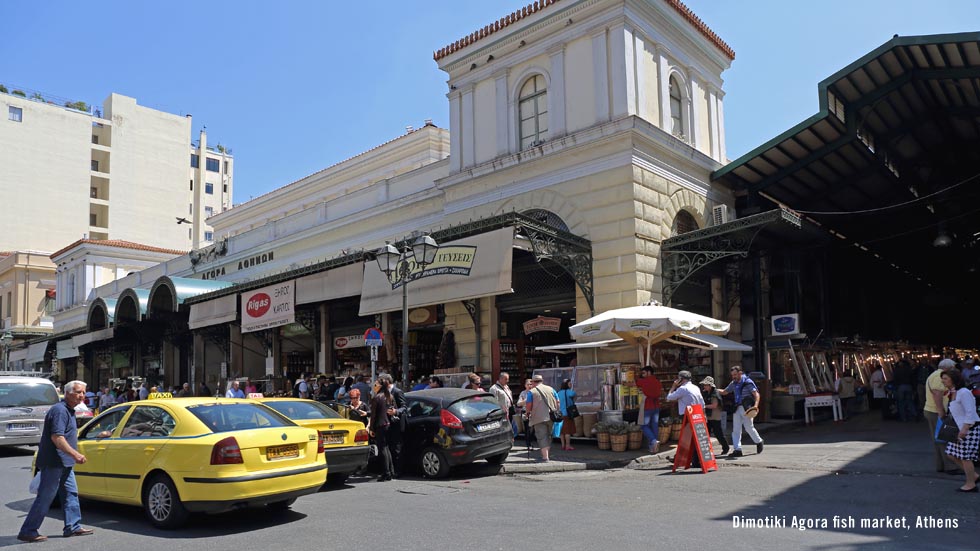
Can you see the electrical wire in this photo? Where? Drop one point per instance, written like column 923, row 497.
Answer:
column 889, row 207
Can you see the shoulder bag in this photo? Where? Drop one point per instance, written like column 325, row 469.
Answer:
column 553, row 414
column 511, row 410
column 946, row 429
column 571, row 408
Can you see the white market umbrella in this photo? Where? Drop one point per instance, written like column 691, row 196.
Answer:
column 647, row 324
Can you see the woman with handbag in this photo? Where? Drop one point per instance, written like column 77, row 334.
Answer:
column 963, row 408
column 569, row 411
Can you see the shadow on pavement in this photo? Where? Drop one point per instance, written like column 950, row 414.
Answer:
column 875, row 474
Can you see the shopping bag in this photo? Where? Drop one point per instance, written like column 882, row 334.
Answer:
column 946, row 430
column 35, row 483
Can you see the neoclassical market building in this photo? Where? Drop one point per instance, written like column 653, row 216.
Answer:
column 582, row 135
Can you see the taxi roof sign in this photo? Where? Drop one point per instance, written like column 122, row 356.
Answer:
column 158, row 395
column 373, row 337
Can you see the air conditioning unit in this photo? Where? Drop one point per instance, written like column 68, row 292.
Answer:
column 719, row 214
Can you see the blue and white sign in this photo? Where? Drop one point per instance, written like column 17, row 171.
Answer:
column 786, row 324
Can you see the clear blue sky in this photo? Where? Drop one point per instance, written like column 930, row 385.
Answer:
column 300, row 87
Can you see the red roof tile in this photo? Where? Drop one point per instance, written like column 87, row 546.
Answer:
column 120, row 245
column 531, row 9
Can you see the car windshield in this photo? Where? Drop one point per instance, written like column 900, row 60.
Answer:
column 229, row 417
column 303, row 409
column 27, row 394
column 475, row 407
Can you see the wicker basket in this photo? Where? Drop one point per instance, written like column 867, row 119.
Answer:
column 664, row 434
column 603, row 440
column 675, row 431
column 635, row 440
column 619, row 442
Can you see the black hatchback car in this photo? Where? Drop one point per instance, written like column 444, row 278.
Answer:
column 452, row 426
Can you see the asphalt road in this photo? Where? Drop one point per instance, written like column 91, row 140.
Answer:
column 649, row 508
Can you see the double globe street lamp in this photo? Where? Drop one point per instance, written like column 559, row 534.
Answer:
column 402, row 267
column 5, row 341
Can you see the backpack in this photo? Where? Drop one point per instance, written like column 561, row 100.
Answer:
column 296, row 390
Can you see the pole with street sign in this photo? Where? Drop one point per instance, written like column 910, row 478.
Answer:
column 374, row 338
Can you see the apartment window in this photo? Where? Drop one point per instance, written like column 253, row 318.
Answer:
column 212, row 165
column 93, row 219
column 209, row 236
column 195, row 160
column 10, row 303
column 532, row 109
column 15, row 114
column 227, row 166
column 190, row 208
column 224, row 188
column 209, row 188
column 95, row 139
column 49, row 303
column 188, row 233
column 95, row 165
column 192, row 185
column 676, row 109
column 209, row 211
column 94, row 191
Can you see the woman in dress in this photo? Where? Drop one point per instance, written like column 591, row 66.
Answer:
column 566, row 396
column 380, row 403
column 963, row 408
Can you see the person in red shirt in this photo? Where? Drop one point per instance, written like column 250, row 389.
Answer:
column 652, row 389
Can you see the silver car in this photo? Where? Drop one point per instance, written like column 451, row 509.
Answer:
column 24, row 401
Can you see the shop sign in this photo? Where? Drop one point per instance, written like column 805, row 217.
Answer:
column 473, row 267
column 422, row 316
column 542, row 323
column 351, row 341
column 269, row 307
column 788, row 324
column 242, row 264
column 694, row 439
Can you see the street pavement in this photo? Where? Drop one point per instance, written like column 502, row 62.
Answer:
column 863, row 470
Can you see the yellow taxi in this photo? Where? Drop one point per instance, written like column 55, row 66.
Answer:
column 344, row 441
column 182, row 455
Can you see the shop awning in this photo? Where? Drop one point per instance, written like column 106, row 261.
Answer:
column 340, row 282
column 94, row 336
column 35, row 352
column 473, row 267
column 169, row 293
column 709, row 342
column 574, row 346
column 213, row 312
column 17, row 355
column 67, row 349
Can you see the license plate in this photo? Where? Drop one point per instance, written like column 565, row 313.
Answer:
column 488, row 426
column 339, row 439
column 21, row 426
column 282, row 452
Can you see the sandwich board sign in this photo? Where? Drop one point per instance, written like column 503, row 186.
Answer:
column 694, row 440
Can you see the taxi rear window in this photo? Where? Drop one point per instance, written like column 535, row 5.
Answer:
column 229, row 417
column 303, row 410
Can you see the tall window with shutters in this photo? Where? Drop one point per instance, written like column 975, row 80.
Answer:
column 532, row 107
column 676, row 109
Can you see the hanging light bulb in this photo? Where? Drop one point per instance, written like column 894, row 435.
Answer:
column 942, row 240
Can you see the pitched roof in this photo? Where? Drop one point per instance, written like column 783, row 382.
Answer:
column 539, row 5
column 120, row 244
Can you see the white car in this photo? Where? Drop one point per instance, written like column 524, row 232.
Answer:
column 24, row 401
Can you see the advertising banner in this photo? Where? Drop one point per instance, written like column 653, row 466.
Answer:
column 269, row 307
column 473, row 267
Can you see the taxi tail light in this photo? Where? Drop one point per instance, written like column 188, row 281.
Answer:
column 320, row 438
column 362, row 436
column 449, row 420
column 226, row 452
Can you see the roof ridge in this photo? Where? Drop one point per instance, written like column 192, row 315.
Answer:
column 120, row 244
column 539, row 5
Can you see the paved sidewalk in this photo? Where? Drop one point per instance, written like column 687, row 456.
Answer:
column 864, row 444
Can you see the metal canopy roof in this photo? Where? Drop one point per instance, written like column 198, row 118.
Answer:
column 892, row 158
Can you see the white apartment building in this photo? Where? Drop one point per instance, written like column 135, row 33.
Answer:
column 125, row 172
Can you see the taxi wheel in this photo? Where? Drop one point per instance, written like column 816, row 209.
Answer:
column 162, row 503
column 498, row 459
column 280, row 506
column 434, row 464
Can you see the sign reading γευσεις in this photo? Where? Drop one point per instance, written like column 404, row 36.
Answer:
column 269, row 307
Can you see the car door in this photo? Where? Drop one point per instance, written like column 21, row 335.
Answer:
column 146, row 431
column 422, row 426
column 94, row 442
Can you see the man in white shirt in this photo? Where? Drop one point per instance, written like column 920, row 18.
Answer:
column 505, row 398
column 684, row 392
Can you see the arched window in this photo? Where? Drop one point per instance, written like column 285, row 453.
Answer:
column 71, row 290
column 532, row 107
column 684, row 222
column 676, row 109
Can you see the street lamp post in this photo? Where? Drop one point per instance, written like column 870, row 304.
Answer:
column 5, row 341
column 401, row 264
